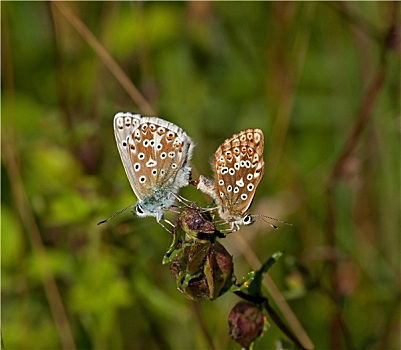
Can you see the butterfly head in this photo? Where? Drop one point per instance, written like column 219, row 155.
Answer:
column 139, row 211
column 235, row 220
column 154, row 205
column 247, row 220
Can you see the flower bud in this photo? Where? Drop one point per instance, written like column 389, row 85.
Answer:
column 246, row 323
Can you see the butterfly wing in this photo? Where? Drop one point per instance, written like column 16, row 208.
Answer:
column 238, row 166
column 168, row 150
column 155, row 154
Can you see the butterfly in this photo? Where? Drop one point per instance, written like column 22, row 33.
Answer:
column 155, row 154
column 238, row 168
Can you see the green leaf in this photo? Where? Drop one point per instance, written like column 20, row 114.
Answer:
column 255, row 288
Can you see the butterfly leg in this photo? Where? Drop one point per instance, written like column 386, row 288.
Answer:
column 182, row 200
column 233, row 228
column 162, row 225
column 169, row 222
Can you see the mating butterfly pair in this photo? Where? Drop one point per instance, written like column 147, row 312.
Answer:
column 156, row 154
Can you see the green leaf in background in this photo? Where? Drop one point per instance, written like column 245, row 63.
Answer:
column 98, row 291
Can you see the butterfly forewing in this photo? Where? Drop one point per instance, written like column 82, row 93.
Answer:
column 238, row 167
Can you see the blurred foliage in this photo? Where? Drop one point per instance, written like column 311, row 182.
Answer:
column 300, row 71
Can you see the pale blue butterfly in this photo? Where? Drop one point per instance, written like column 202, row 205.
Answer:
column 155, row 154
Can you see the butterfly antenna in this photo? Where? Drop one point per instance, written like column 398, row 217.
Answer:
column 264, row 217
column 270, row 224
column 114, row 215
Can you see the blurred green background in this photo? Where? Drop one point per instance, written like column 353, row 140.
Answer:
column 322, row 80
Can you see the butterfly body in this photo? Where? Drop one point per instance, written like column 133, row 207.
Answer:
column 155, row 204
column 238, row 168
column 155, row 155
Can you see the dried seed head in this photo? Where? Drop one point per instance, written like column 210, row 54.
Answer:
column 246, row 322
column 196, row 224
column 203, row 270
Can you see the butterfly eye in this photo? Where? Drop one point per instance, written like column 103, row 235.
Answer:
column 247, row 220
column 139, row 211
